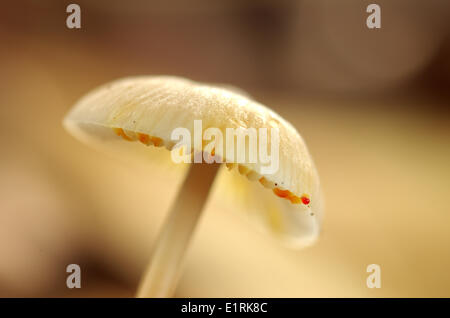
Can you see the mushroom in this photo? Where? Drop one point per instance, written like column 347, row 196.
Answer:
column 148, row 109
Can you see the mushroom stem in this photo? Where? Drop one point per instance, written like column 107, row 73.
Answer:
column 161, row 276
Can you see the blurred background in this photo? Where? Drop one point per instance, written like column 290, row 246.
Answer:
column 372, row 105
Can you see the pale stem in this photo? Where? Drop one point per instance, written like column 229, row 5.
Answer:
column 161, row 276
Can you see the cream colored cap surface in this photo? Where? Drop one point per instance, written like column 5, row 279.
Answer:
column 147, row 109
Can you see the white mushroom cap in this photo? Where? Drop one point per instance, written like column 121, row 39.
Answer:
column 149, row 108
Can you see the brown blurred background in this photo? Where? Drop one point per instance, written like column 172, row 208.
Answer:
column 372, row 105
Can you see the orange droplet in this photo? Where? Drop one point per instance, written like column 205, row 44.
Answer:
column 295, row 199
column 156, row 141
column 119, row 132
column 305, row 200
column 144, row 138
column 263, row 181
column 286, row 194
column 282, row 193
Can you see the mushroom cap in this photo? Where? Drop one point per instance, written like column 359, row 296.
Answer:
column 147, row 109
